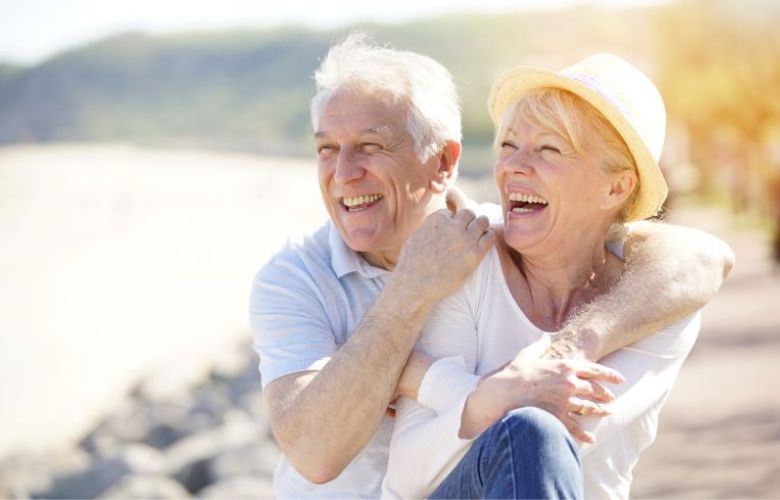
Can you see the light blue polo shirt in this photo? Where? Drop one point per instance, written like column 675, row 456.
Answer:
column 304, row 305
column 307, row 300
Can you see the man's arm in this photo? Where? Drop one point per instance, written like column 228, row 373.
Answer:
column 321, row 419
column 671, row 272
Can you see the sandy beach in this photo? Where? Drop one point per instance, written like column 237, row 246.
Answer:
column 120, row 264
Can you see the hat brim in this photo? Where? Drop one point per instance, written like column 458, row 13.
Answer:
column 513, row 84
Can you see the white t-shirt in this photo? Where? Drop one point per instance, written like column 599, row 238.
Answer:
column 480, row 328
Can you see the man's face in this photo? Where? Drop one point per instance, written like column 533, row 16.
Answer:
column 374, row 186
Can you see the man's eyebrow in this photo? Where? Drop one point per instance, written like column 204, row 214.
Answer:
column 379, row 130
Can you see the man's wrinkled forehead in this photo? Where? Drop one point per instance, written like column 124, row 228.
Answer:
column 362, row 111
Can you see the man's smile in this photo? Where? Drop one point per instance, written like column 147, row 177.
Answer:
column 358, row 203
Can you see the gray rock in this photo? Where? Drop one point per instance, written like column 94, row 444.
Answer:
column 239, row 487
column 21, row 475
column 190, row 457
column 256, row 460
column 104, row 472
column 142, row 459
column 146, row 486
column 88, row 483
column 211, row 401
column 131, row 422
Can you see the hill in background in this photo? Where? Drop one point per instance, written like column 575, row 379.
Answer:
column 249, row 90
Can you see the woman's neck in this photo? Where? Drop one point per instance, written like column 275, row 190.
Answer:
column 550, row 286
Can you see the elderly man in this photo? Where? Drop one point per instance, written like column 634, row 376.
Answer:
column 336, row 315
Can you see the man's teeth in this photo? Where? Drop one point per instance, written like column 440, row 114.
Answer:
column 360, row 200
column 527, row 198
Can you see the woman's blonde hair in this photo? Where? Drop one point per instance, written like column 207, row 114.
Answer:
column 577, row 122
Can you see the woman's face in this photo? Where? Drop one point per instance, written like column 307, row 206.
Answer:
column 552, row 195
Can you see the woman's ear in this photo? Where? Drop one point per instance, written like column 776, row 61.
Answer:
column 446, row 166
column 623, row 184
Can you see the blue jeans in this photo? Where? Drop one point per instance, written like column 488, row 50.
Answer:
column 526, row 454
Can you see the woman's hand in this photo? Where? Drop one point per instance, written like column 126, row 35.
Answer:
column 564, row 388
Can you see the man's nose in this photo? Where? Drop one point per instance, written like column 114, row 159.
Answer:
column 348, row 168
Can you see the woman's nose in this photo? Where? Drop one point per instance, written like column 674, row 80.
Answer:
column 348, row 167
column 519, row 162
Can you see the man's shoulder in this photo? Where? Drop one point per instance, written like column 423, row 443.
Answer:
column 304, row 256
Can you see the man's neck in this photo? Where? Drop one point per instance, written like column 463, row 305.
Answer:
column 382, row 260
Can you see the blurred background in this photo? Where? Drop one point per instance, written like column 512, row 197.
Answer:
column 153, row 155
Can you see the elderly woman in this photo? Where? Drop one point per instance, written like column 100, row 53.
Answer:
column 576, row 158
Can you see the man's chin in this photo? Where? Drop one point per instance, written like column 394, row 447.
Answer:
column 360, row 240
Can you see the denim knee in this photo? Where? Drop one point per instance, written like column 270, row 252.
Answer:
column 528, row 454
column 536, row 425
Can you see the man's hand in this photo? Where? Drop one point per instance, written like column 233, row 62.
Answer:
column 562, row 387
column 438, row 258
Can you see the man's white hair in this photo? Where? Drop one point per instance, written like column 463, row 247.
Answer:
column 423, row 84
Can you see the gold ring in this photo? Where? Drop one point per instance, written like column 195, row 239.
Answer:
column 581, row 410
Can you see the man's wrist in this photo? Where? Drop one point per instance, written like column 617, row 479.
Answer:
column 582, row 343
column 407, row 299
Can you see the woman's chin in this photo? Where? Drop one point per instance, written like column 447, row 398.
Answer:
column 520, row 239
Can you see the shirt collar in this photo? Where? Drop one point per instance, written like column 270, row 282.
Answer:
column 344, row 260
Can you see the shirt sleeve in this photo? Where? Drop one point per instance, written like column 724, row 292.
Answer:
column 446, row 382
column 425, row 445
column 650, row 367
column 290, row 327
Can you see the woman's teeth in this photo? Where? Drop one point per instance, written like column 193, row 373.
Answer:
column 523, row 203
column 527, row 198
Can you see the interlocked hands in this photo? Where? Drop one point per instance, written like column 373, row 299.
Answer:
column 564, row 388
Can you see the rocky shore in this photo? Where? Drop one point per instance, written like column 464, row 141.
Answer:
column 211, row 441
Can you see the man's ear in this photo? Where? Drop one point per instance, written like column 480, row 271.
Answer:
column 446, row 166
column 623, row 184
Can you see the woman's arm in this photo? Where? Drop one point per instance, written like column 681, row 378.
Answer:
column 671, row 272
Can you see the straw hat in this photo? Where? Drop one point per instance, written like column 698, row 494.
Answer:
column 626, row 98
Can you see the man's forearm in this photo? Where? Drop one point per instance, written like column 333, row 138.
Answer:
column 322, row 419
column 671, row 272
column 333, row 413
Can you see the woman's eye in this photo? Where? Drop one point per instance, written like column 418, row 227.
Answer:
column 508, row 145
column 547, row 147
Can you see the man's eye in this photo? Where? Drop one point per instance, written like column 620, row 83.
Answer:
column 370, row 147
column 325, row 149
